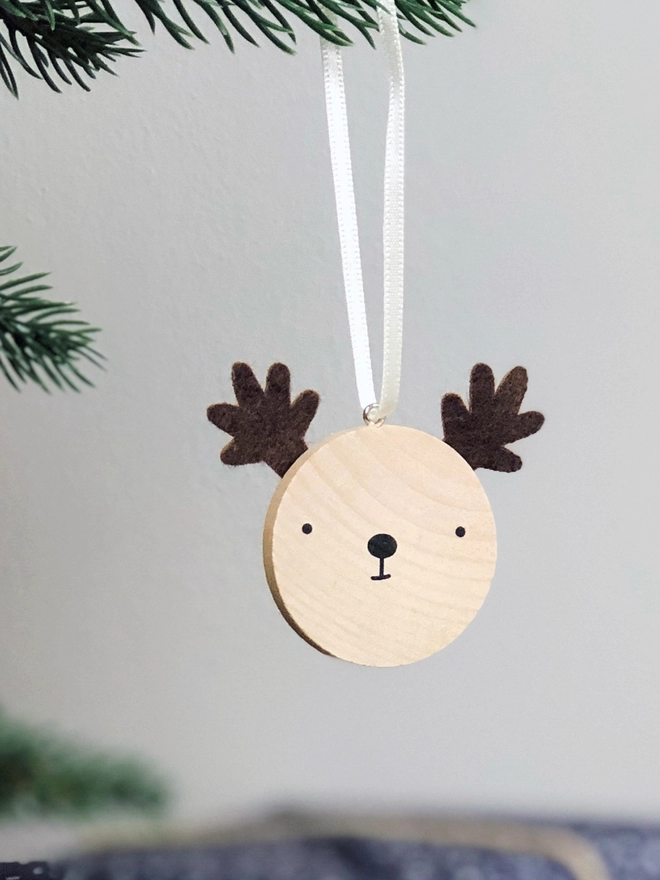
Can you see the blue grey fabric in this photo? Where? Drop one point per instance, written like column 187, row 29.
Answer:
column 631, row 853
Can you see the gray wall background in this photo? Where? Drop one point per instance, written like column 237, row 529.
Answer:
column 187, row 206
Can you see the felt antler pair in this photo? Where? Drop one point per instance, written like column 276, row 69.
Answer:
column 267, row 426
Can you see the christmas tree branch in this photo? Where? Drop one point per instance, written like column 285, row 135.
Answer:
column 40, row 341
column 58, row 40
column 65, row 40
column 42, row 774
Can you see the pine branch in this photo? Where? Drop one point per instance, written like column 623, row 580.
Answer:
column 62, row 40
column 40, row 341
column 426, row 16
column 42, row 774
column 58, row 40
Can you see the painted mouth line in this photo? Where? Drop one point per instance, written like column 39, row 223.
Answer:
column 381, row 576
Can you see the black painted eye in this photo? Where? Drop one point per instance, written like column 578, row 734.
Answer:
column 307, row 528
column 460, row 531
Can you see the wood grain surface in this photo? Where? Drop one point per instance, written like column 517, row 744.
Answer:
column 373, row 492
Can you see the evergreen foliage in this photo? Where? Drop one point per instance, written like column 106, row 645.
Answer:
column 43, row 775
column 49, row 41
column 40, row 341
column 66, row 41
column 60, row 41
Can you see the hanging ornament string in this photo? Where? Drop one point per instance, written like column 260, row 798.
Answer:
column 393, row 230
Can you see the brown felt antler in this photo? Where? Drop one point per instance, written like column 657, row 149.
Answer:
column 481, row 432
column 265, row 425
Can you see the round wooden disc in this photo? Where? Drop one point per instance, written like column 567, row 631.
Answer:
column 379, row 545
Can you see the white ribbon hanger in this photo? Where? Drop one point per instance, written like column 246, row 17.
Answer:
column 374, row 410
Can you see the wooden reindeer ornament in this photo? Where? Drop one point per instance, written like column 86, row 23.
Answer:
column 379, row 543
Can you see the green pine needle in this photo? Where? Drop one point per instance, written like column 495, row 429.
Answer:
column 43, row 775
column 60, row 41
column 40, row 340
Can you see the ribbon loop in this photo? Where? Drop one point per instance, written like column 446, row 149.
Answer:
column 393, row 218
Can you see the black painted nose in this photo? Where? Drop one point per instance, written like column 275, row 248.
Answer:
column 381, row 546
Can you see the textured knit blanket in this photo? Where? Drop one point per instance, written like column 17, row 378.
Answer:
column 598, row 851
